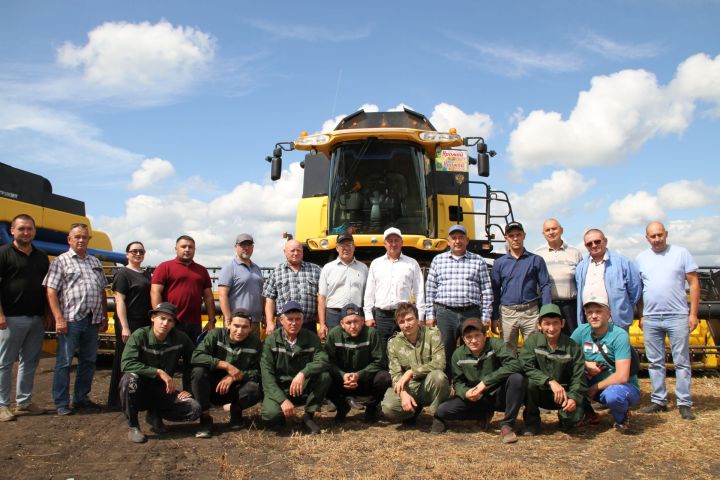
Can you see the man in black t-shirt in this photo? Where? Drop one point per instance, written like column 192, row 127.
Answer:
column 22, row 307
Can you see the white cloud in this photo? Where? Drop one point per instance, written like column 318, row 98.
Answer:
column 635, row 209
column 310, row 33
column 445, row 116
column 687, row 194
column 150, row 172
column 615, row 50
column 140, row 58
column 616, row 116
column 263, row 210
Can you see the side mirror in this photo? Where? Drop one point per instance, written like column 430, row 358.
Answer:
column 483, row 165
column 275, row 168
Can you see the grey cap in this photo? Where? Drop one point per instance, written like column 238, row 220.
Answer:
column 244, row 237
column 164, row 307
column 457, row 228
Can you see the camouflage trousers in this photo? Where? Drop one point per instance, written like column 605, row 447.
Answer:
column 430, row 392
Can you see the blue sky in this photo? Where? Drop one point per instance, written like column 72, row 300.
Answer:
column 159, row 114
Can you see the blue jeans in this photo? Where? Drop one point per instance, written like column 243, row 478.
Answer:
column 655, row 327
column 83, row 337
column 22, row 339
column 619, row 399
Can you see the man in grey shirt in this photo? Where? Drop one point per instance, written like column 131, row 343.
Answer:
column 240, row 283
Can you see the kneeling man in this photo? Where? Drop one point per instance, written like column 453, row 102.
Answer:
column 226, row 369
column 487, row 378
column 555, row 368
column 356, row 357
column 416, row 358
column 294, row 370
column 607, row 363
column 149, row 362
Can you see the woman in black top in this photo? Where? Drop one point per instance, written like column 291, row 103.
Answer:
column 131, row 287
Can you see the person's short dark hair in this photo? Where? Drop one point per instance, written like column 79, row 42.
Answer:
column 23, row 216
column 127, row 247
column 185, row 237
column 403, row 309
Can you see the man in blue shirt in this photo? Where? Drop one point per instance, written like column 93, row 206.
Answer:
column 664, row 269
column 520, row 283
column 240, row 283
column 609, row 275
column 607, row 364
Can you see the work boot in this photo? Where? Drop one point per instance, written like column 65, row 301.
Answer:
column 507, row 435
column 205, row 430
column 236, row 418
column 654, row 408
column 371, row 414
column 310, row 424
column 6, row 415
column 28, row 409
column 531, row 429
column 686, row 412
column 438, row 426
column 155, row 422
column 136, row 436
column 342, row 409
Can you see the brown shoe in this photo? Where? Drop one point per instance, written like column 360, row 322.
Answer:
column 28, row 409
column 6, row 415
column 507, row 435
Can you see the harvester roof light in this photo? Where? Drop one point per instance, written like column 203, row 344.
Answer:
column 313, row 140
column 439, row 137
column 453, row 131
column 303, row 134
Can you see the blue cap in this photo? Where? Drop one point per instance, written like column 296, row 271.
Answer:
column 291, row 306
column 457, row 228
column 350, row 309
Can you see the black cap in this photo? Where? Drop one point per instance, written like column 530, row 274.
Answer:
column 350, row 309
column 291, row 306
column 513, row 226
column 241, row 313
column 165, row 307
column 472, row 324
column 343, row 237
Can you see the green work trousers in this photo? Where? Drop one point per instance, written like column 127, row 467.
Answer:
column 430, row 392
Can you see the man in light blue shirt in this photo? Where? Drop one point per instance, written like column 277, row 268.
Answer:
column 664, row 269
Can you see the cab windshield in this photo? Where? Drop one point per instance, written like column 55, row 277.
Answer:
column 377, row 184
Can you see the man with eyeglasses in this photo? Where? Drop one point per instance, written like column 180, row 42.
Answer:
column 609, row 275
column 342, row 282
column 240, row 283
column 75, row 286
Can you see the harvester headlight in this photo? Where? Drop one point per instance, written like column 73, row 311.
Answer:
column 427, row 244
column 439, row 137
column 313, row 140
column 324, row 243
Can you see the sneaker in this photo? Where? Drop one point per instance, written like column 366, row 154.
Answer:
column 654, row 408
column 156, row 423
column 342, row 410
column 6, row 415
column 28, row 409
column 205, row 430
column 438, row 426
column 507, row 435
column 531, row 430
column 136, row 436
column 87, row 405
column 64, row 411
column 686, row 412
column 310, row 424
column 624, row 426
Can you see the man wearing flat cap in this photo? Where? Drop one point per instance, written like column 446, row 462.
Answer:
column 149, row 362
column 240, row 283
column 294, row 370
column 226, row 369
column 487, row 377
column 458, row 287
column 555, row 368
column 342, row 281
column 357, row 364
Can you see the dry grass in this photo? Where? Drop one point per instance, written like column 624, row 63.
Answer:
column 660, row 446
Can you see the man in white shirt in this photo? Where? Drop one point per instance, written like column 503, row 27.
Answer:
column 392, row 279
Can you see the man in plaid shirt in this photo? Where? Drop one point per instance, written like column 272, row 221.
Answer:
column 458, row 287
column 292, row 280
column 76, row 296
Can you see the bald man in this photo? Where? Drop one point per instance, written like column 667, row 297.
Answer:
column 664, row 269
column 293, row 280
column 561, row 260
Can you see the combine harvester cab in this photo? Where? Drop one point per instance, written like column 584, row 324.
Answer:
column 25, row 192
column 377, row 170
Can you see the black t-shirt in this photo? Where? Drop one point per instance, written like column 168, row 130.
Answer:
column 136, row 288
column 21, row 277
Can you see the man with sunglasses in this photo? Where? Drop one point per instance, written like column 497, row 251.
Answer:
column 240, row 283
column 609, row 275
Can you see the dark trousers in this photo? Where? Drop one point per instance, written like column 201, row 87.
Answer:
column 542, row 397
column 376, row 388
column 569, row 313
column 448, row 322
column 114, row 388
column 508, row 398
column 315, row 389
column 192, row 330
column 311, row 325
column 140, row 393
column 385, row 324
column 241, row 395
column 332, row 317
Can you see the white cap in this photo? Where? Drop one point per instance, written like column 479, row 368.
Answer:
column 392, row 231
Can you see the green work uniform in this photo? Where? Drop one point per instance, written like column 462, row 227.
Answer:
column 217, row 346
column 144, row 354
column 493, row 366
column 362, row 354
column 565, row 365
column 429, row 385
column 279, row 364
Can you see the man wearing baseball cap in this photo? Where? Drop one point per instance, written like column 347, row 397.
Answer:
column 294, row 370
column 240, row 282
column 608, row 357
column 342, row 281
column 555, row 368
column 458, row 287
column 357, row 364
column 487, row 377
column 392, row 279
column 149, row 361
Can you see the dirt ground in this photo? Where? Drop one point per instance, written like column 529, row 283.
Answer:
column 95, row 445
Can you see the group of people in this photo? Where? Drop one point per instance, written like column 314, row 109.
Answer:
column 380, row 338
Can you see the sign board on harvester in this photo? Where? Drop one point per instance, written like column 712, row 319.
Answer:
column 451, row 161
